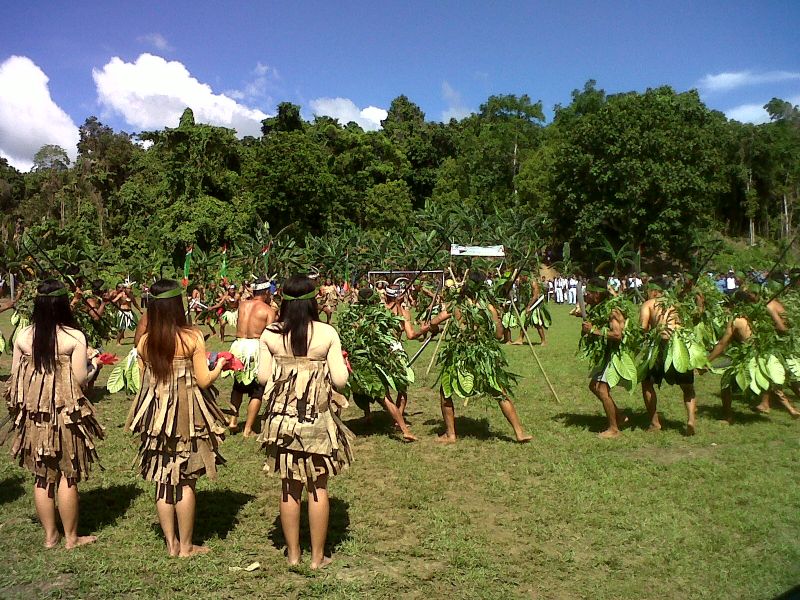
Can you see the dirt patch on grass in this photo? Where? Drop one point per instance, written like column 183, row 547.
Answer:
column 52, row 588
column 670, row 456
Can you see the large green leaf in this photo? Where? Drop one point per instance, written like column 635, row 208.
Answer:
column 775, row 370
column 680, row 354
column 116, row 379
column 466, row 381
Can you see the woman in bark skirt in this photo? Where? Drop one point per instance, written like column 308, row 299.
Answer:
column 305, row 440
column 175, row 414
column 54, row 424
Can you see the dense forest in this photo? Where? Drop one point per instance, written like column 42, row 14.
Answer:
column 655, row 172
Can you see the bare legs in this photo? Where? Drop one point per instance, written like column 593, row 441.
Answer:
column 253, row 408
column 318, row 514
column 613, row 414
column 449, row 417
column 236, row 403
column 44, row 497
column 178, row 513
column 763, row 406
column 651, row 401
column 397, row 415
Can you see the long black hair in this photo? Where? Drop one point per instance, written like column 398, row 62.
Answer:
column 295, row 315
column 49, row 313
column 166, row 319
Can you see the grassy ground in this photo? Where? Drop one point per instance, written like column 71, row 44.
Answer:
column 567, row 516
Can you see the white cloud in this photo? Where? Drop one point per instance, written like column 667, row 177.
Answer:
column 152, row 93
column 723, row 82
column 754, row 113
column 456, row 109
column 29, row 119
column 256, row 89
column 748, row 113
column 344, row 110
column 158, row 41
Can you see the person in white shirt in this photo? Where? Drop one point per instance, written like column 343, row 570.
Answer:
column 559, row 290
column 572, row 290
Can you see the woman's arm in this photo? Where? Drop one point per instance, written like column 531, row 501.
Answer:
column 78, row 358
column 202, row 374
column 336, row 365
column 264, row 359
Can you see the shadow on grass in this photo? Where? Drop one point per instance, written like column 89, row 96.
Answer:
column 716, row 413
column 338, row 527
column 792, row 594
column 380, row 423
column 11, row 488
column 104, row 506
column 598, row 422
column 470, row 427
column 217, row 512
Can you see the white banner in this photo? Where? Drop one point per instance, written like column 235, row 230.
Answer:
column 492, row 251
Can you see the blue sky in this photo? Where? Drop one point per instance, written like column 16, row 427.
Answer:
column 134, row 65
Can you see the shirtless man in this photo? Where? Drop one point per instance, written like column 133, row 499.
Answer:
column 527, row 315
column 739, row 330
column 125, row 302
column 253, row 317
column 506, row 405
column 394, row 304
column 196, row 304
column 229, row 303
column 328, row 297
column 595, row 294
column 653, row 314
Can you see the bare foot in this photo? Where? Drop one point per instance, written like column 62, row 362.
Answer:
column 409, row 437
column 173, row 548
column 233, row 425
column 608, row 434
column 690, row 429
column 726, row 421
column 195, row 551
column 81, row 540
column 654, row 428
column 795, row 415
column 517, row 343
column 445, row 439
column 326, row 560
column 760, row 408
column 52, row 543
column 524, row 438
column 248, row 433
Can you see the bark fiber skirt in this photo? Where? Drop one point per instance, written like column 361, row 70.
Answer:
column 53, row 423
column 180, row 426
column 301, row 432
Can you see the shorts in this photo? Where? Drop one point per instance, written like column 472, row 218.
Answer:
column 252, row 389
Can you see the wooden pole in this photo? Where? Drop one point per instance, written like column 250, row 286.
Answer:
column 530, row 345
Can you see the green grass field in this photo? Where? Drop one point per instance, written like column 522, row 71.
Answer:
column 567, row 516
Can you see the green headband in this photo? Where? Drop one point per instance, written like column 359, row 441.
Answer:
column 309, row 296
column 173, row 293
column 62, row 291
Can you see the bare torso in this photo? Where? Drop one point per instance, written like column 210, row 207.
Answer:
column 254, row 316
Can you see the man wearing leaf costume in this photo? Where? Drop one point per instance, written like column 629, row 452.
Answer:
column 328, row 298
column 759, row 355
column 125, row 302
column 672, row 351
column 608, row 344
column 253, row 318
column 471, row 358
column 229, row 302
column 371, row 336
column 529, row 292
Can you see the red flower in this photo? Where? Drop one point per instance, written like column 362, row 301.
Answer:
column 107, row 359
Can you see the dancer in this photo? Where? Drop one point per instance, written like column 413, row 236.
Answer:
column 472, row 360
column 175, row 415
column 125, row 302
column 54, row 424
column 229, row 304
column 254, row 316
column 672, row 355
column 305, row 440
column 329, row 298
column 370, row 333
column 607, row 344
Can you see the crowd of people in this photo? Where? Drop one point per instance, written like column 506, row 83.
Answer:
column 294, row 367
